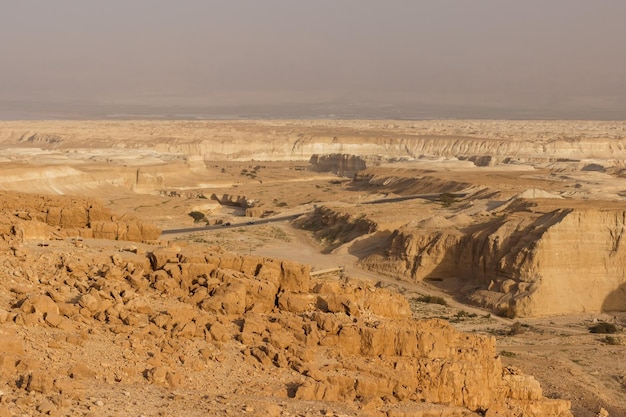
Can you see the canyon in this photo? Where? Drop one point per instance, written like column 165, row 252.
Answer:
column 174, row 240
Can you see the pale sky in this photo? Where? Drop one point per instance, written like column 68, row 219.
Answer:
column 535, row 58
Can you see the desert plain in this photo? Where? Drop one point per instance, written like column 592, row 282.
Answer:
column 312, row 268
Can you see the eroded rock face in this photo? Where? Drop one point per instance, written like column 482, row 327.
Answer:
column 340, row 164
column 533, row 258
column 191, row 308
column 31, row 216
column 299, row 140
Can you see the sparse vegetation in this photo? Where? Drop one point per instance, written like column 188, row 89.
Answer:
column 198, row 216
column 508, row 354
column 279, row 234
column 249, row 174
column 447, row 199
column 608, row 328
column 516, row 328
column 432, row 299
column 462, row 315
column 612, row 340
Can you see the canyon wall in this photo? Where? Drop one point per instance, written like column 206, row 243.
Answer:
column 535, row 258
column 77, row 178
column 299, row 140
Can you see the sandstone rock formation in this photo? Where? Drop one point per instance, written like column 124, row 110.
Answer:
column 533, row 258
column 299, row 140
column 30, row 216
column 170, row 316
column 340, row 164
column 234, row 200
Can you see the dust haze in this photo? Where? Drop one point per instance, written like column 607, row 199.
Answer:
column 349, row 59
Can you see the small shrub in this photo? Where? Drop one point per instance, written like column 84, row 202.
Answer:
column 465, row 314
column 604, row 328
column 507, row 353
column 447, row 199
column 197, row 216
column 431, row 299
column 612, row 340
column 280, row 234
column 516, row 328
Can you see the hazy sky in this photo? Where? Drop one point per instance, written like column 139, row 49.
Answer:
column 533, row 54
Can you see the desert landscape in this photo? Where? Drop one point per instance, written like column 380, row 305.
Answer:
column 313, row 268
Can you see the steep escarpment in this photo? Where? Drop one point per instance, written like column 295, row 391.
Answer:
column 335, row 228
column 578, row 262
column 176, row 321
column 100, row 173
column 534, row 258
column 299, row 140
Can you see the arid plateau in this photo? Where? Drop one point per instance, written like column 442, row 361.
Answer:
column 313, row 268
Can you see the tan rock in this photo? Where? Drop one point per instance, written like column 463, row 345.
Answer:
column 90, row 302
column 53, row 319
column 40, row 381
column 229, row 299
column 40, row 304
column 81, row 371
column 219, row 333
column 297, row 303
column 5, row 411
column 294, row 277
column 11, row 344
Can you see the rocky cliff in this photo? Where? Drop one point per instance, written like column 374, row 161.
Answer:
column 533, row 258
column 31, row 216
column 68, row 176
column 339, row 164
column 299, row 140
column 185, row 315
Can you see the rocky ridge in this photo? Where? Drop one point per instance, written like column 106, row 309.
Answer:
column 28, row 216
column 529, row 258
column 299, row 140
column 173, row 319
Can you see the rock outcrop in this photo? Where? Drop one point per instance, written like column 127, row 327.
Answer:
column 339, row 164
column 31, row 216
column 179, row 312
column 299, row 140
column 533, row 258
column 234, row 200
